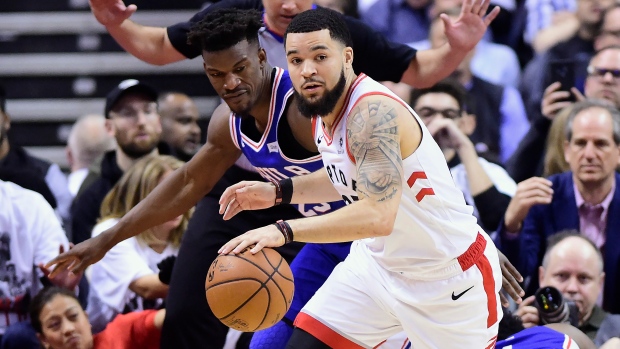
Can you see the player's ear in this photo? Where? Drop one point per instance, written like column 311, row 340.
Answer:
column 262, row 55
column 348, row 55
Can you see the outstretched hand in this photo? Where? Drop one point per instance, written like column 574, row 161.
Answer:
column 64, row 279
column 246, row 195
column 465, row 32
column 78, row 258
column 111, row 12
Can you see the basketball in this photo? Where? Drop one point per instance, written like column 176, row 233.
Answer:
column 250, row 292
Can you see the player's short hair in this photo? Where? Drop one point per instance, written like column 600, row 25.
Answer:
column 39, row 302
column 319, row 19
column 2, row 100
column 448, row 86
column 224, row 28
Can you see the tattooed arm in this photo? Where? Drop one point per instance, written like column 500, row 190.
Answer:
column 373, row 136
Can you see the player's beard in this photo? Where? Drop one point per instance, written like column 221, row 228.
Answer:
column 325, row 104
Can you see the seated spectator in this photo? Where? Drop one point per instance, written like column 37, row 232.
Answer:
column 132, row 117
column 87, row 142
column 30, row 234
column 502, row 121
column 60, row 323
column 574, row 266
column 179, row 124
column 587, row 199
column 126, row 278
column 486, row 186
column 15, row 158
column 528, row 159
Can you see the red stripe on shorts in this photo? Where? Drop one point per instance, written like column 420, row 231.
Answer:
column 323, row 333
column 475, row 256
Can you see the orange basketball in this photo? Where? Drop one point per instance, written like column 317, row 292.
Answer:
column 250, row 292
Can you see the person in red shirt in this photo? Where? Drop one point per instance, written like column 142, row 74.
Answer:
column 60, row 322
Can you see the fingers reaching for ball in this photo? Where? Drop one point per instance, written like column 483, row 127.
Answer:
column 268, row 236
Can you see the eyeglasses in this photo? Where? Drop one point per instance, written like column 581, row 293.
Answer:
column 427, row 112
column 602, row 72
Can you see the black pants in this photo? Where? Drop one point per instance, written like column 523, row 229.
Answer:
column 189, row 322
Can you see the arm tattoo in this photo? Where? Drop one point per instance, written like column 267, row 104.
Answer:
column 372, row 131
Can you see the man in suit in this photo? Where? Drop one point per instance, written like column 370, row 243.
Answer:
column 587, row 199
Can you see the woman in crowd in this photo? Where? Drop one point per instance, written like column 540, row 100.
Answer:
column 60, row 322
column 126, row 279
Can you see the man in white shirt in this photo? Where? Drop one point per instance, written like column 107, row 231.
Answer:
column 30, row 234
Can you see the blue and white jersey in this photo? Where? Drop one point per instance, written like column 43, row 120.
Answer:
column 266, row 155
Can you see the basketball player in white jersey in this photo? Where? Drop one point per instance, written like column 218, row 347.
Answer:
column 420, row 262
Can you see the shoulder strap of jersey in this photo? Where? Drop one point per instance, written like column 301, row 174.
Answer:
column 234, row 126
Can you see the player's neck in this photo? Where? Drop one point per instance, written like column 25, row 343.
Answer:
column 260, row 110
column 331, row 118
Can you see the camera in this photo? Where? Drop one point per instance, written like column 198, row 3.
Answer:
column 552, row 308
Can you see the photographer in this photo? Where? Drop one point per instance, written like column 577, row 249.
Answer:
column 574, row 266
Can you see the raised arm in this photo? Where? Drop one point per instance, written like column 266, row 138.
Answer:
column 373, row 136
column 463, row 35
column 174, row 196
column 149, row 44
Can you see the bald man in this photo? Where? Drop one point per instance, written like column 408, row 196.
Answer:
column 574, row 265
column 87, row 142
column 179, row 121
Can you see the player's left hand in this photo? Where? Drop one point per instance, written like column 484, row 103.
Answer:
column 246, row 195
column 465, row 32
column 269, row 236
column 65, row 279
column 510, row 281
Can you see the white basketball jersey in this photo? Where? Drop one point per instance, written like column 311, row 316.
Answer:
column 433, row 226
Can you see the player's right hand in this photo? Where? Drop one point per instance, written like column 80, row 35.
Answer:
column 111, row 12
column 528, row 313
column 247, row 195
column 530, row 192
column 78, row 258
